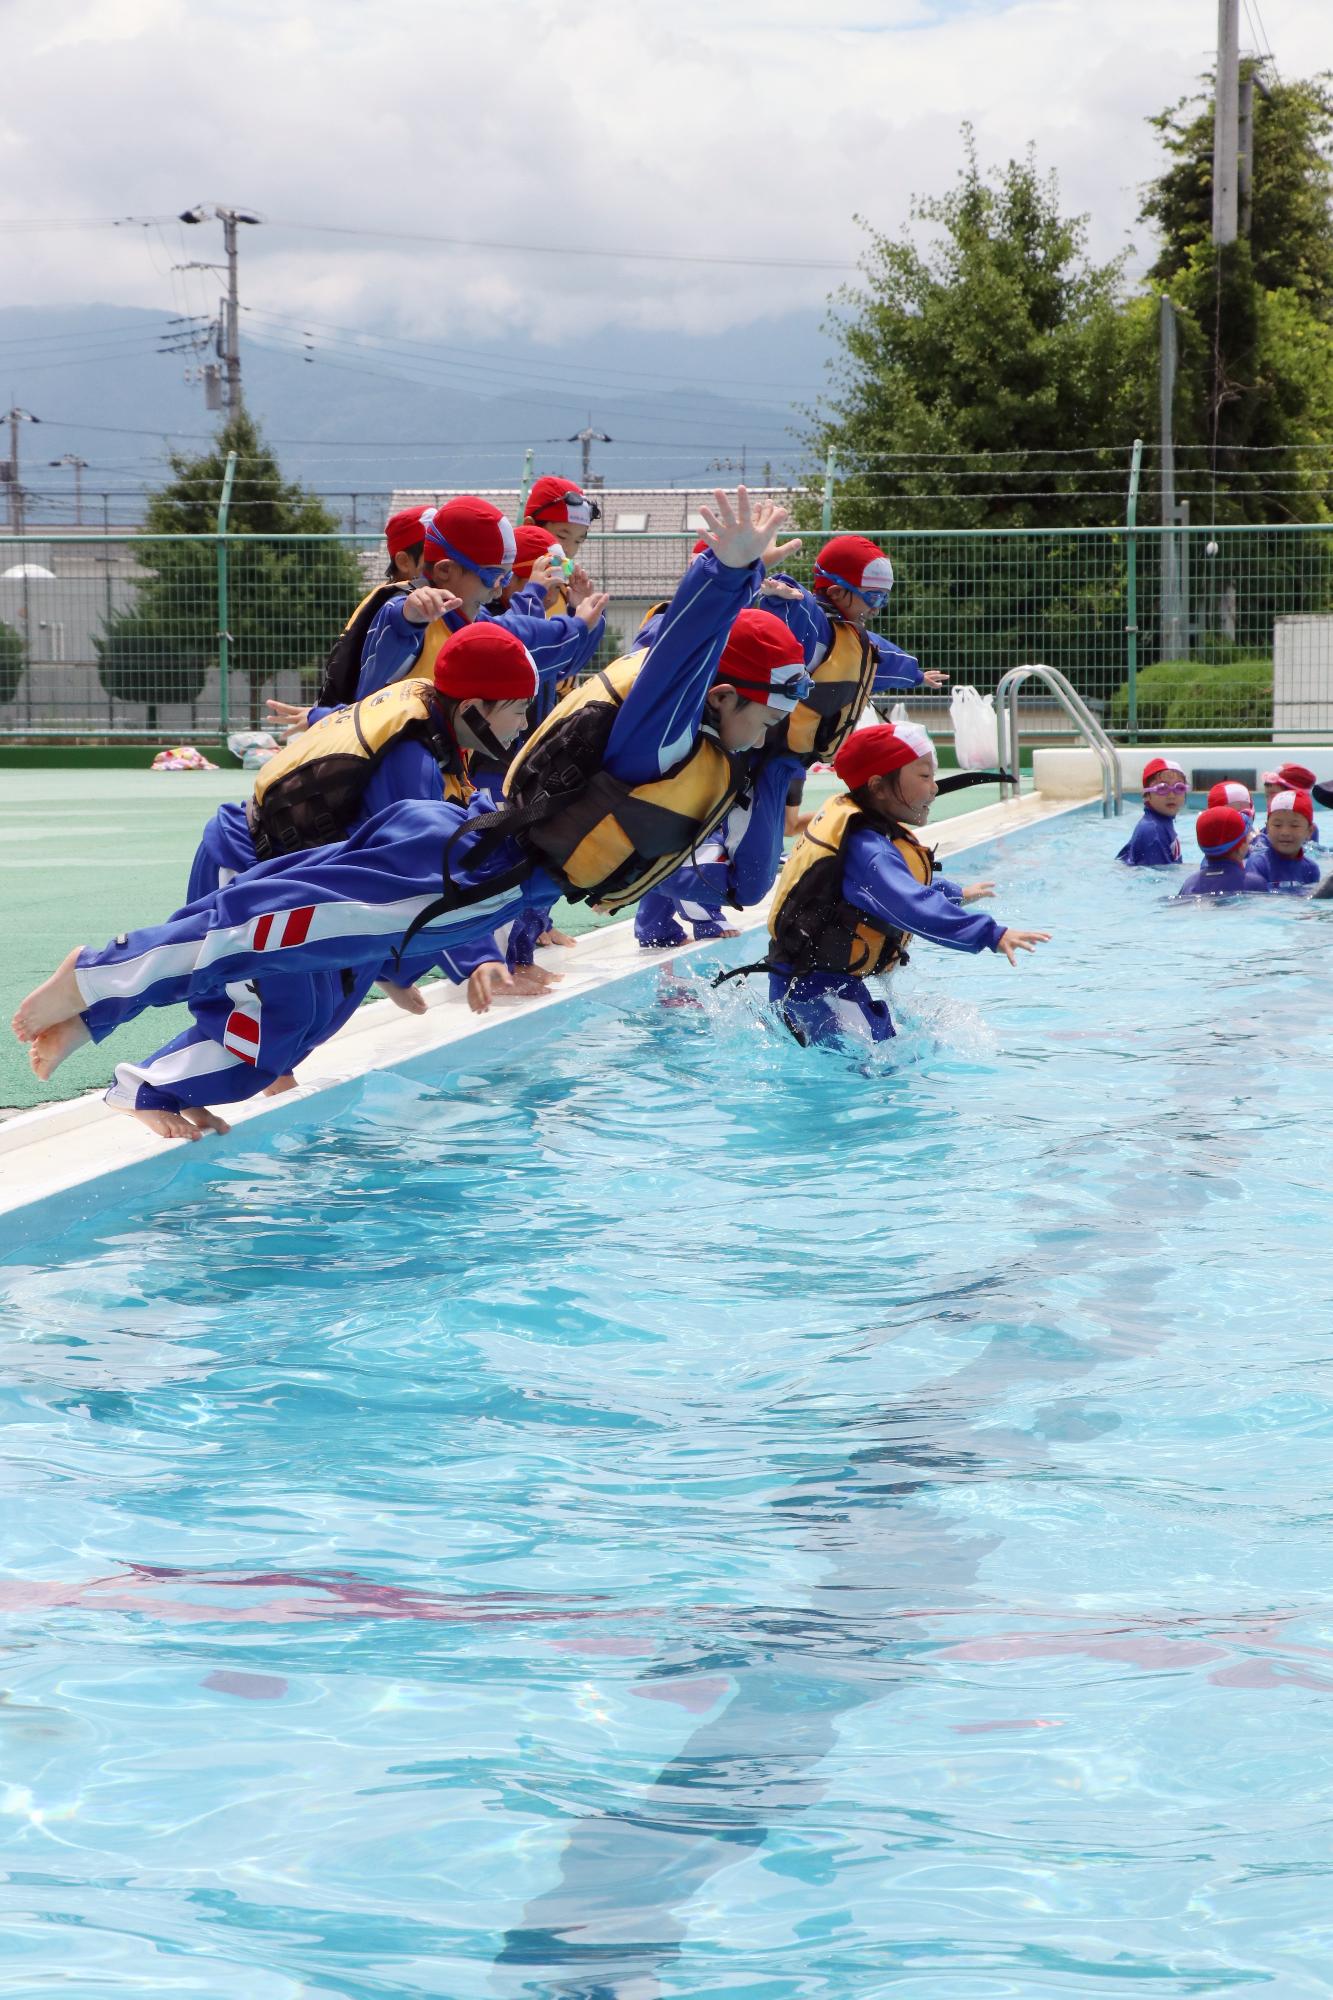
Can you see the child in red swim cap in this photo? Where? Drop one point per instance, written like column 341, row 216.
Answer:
column 1223, row 835
column 1282, row 860
column 859, row 884
column 1154, row 842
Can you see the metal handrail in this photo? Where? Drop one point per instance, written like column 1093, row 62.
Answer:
column 1082, row 717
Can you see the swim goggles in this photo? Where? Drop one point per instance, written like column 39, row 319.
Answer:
column 493, row 575
column 787, row 686
column 874, row 599
column 1176, row 791
column 580, row 511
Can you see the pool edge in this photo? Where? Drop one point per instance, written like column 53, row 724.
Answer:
column 80, row 1147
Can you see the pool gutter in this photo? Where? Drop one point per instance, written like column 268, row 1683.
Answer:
column 79, row 1156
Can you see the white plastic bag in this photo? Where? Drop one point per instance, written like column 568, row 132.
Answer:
column 898, row 713
column 976, row 739
column 252, row 747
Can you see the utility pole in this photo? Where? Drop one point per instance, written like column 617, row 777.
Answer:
column 14, row 417
column 229, row 312
column 80, row 466
column 1174, row 638
column 1226, row 123
column 588, row 437
column 1249, row 83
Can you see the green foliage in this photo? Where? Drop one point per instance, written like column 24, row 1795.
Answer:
column 286, row 600
column 11, row 661
column 1000, row 338
column 1176, row 697
column 1255, row 318
column 1291, row 229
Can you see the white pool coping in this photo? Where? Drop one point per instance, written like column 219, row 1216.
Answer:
column 56, row 1148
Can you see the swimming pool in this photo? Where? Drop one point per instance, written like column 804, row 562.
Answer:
column 664, row 1512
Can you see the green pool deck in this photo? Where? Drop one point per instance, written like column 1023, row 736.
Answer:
column 87, row 852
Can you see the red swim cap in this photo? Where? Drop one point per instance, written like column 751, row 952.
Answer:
column 487, row 662
column 875, row 753
column 1219, row 829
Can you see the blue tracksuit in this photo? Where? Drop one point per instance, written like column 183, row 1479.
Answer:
column 227, row 849
column 659, row 723
column 272, row 964
column 809, row 618
column 737, row 864
column 822, row 1007
column 1281, row 871
column 559, row 646
column 1223, row 878
column 1154, row 843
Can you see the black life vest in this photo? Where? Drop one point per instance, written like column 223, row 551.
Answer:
column 342, row 663
column 311, row 792
column 821, row 724
column 812, row 927
column 605, row 841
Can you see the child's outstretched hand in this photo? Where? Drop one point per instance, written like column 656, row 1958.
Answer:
column 425, row 603
column 287, row 718
column 977, row 892
column 485, row 983
column 738, row 534
column 1012, row 942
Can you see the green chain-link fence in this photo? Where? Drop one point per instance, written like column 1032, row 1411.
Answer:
column 1198, row 632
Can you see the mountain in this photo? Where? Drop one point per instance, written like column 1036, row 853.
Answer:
column 361, row 414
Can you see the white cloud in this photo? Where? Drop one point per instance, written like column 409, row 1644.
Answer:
column 709, row 128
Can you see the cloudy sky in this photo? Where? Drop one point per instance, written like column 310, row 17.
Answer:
column 744, row 131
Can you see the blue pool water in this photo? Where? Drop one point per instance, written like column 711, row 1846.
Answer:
column 668, row 1513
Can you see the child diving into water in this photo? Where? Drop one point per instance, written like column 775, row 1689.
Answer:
column 859, row 885
column 614, row 793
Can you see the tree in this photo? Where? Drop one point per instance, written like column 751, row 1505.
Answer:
column 11, row 662
column 286, row 600
column 1255, row 383
column 1001, row 341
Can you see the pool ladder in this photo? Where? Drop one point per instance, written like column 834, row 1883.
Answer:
column 1082, row 717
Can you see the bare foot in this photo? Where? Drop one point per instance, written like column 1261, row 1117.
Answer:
column 52, row 1045
column 410, row 998
column 279, row 1086
column 54, row 1000
column 189, row 1124
column 530, row 979
column 554, row 936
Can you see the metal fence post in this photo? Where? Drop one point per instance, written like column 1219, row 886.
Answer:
column 830, row 467
column 224, row 636
column 525, row 483
column 1132, row 590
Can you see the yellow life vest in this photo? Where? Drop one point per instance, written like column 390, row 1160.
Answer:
column 437, row 634
column 342, row 663
column 821, row 724
column 812, row 926
column 311, row 792
column 605, row 841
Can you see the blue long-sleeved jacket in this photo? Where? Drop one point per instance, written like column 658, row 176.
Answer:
column 812, row 625
column 559, row 646
column 1294, row 873
column 737, row 864
column 1223, row 878
column 1154, row 843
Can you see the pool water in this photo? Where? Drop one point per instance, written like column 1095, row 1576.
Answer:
column 668, row 1513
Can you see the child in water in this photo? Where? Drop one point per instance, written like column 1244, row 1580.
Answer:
column 1281, row 859
column 858, row 885
column 1154, row 842
column 1230, row 792
column 1223, row 835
